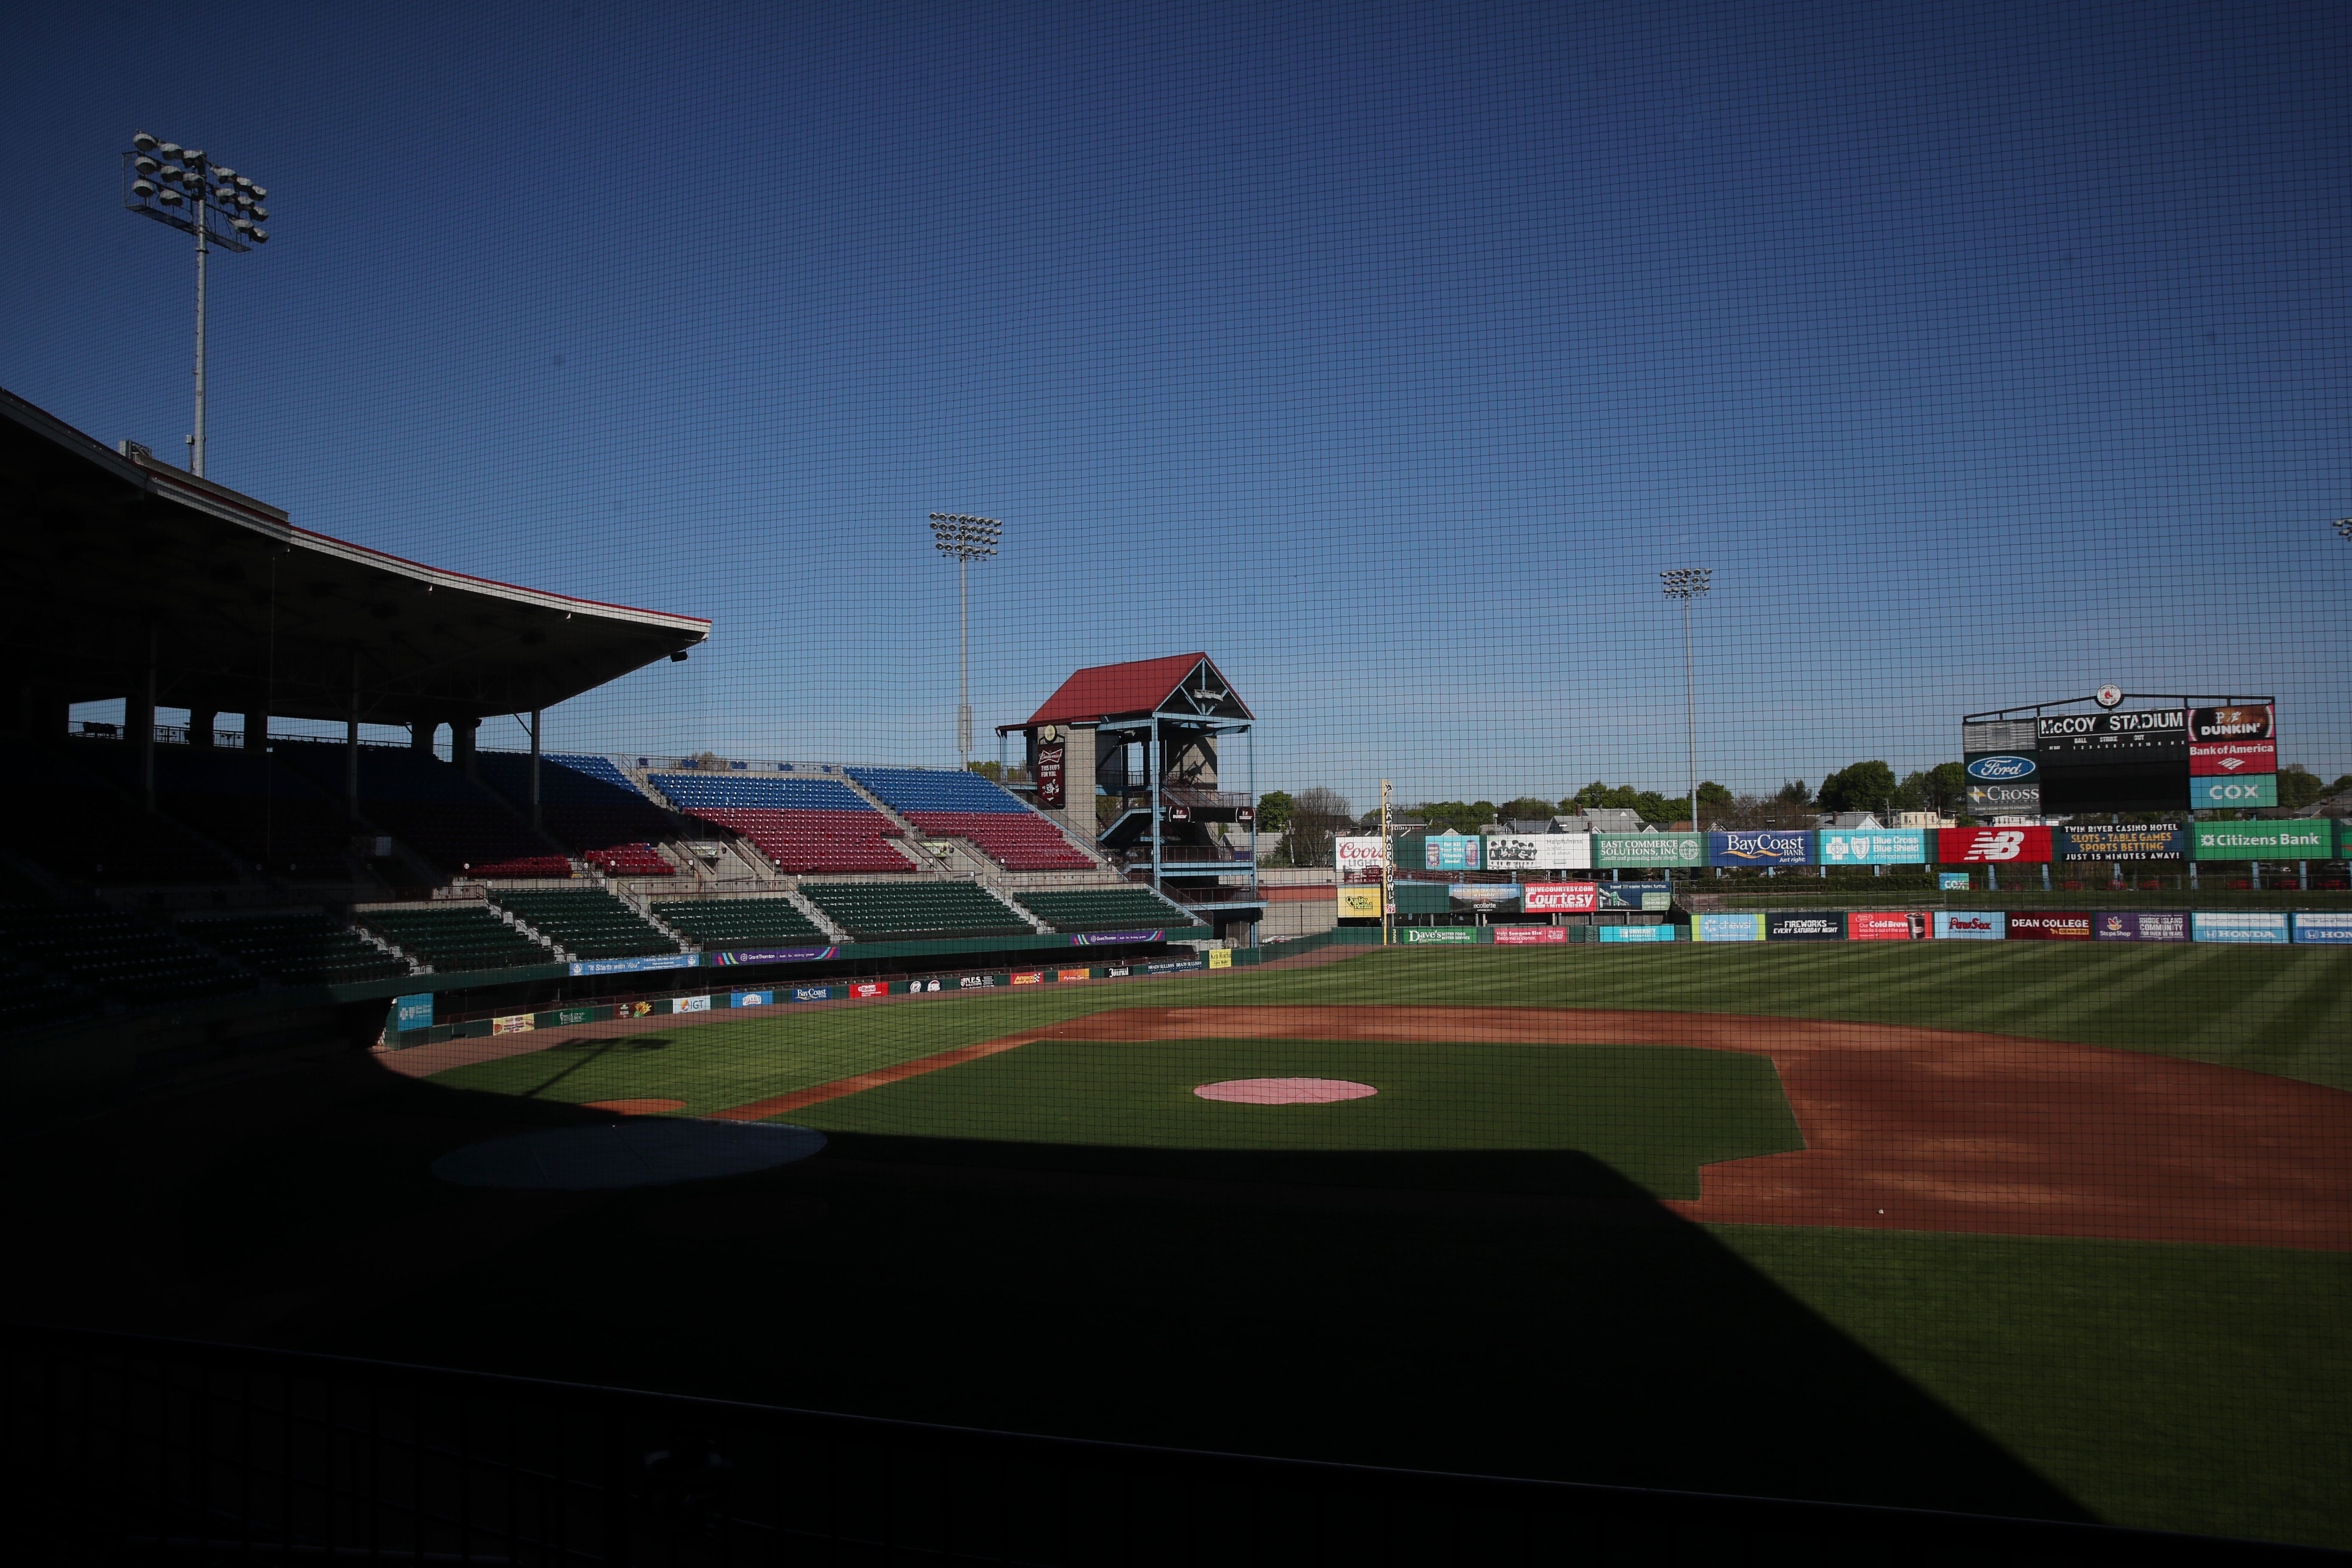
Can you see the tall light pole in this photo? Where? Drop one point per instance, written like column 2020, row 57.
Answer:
column 967, row 538
column 1688, row 583
column 222, row 206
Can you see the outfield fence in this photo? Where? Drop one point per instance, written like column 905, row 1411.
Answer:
column 122, row 1447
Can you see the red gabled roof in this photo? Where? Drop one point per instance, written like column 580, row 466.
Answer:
column 1109, row 690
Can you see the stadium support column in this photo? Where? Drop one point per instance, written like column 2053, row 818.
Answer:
column 256, row 731
column 1151, row 750
column 139, row 719
column 1078, row 783
column 421, row 733
column 534, row 770
column 351, row 744
column 199, row 726
column 461, row 743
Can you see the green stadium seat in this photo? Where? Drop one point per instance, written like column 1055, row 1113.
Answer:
column 891, row 911
column 587, row 924
column 1102, row 908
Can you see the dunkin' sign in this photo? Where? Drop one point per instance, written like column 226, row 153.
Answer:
column 1992, row 845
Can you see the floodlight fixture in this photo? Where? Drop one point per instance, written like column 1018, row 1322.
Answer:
column 2343, row 527
column 220, row 210
column 964, row 539
column 1685, row 584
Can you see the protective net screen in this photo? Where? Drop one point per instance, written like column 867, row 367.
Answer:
column 1575, row 744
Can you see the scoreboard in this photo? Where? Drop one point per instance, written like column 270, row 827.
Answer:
column 2190, row 753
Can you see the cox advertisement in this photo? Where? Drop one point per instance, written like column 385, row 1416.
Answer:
column 1628, row 851
column 2234, row 925
column 2147, row 925
column 1891, row 925
column 1892, row 846
column 1540, row 852
column 2049, row 925
column 1561, row 898
column 1805, row 927
column 1520, row 935
column 1992, row 846
column 2206, row 793
column 2229, row 759
column 1759, row 847
column 1972, row 925
column 2122, row 841
column 1727, row 927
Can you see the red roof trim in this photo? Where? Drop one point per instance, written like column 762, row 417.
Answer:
column 1115, row 691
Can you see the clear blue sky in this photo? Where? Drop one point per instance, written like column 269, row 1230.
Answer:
column 1987, row 353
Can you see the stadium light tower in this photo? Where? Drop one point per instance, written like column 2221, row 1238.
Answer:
column 180, row 186
column 1688, row 583
column 967, row 538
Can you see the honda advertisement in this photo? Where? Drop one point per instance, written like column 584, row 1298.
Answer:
column 1828, row 927
column 2230, row 759
column 2331, row 928
column 2239, row 926
column 2147, row 925
column 1971, row 925
column 1759, row 847
column 2122, row 841
column 2233, row 721
column 1561, row 898
column 1878, row 846
column 1992, row 845
column 2049, row 925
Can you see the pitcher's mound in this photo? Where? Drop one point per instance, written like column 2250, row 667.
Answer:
column 1285, row 1090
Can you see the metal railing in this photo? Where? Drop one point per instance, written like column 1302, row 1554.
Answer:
column 128, row 1449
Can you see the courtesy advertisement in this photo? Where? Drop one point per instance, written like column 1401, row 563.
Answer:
column 1971, row 925
column 2049, row 925
column 2126, row 841
column 1360, row 903
column 2239, row 926
column 1561, row 898
column 1639, row 851
column 1827, row 926
column 1992, row 846
column 1891, row 925
column 1540, row 852
column 2143, row 925
column 1759, row 847
column 1720, row 927
column 1522, row 936
column 1874, row 846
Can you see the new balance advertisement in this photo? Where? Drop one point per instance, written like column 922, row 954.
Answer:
column 1971, row 925
column 1650, row 896
column 2128, row 841
column 2233, row 759
column 2211, row 793
column 2304, row 840
column 1539, row 851
column 1992, row 845
column 1877, row 846
column 1828, row 927
column 1727, row 927
column 1561, row 898
column 1520, row 936
column 2235, row 721
column 1759, row 847
column 2236, row 926
column 2151, row 925
column 2004, row 799
column 1891, row 925
column 1632, row 851
column 2049, row 925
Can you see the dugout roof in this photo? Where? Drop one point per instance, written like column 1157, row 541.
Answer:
column 108, row 555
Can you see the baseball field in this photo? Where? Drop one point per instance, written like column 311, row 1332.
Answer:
column 2019, row 1228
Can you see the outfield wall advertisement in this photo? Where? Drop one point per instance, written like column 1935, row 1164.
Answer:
column 2300, row 839
column 2242, row 794
column 2331, row 928
column 2122, row 841
column 1521, row 936
column 1449, row 852
column 1972, row 925
column 1639, row 851
column 1357, row 855
column 1893, row 925
column 1760, row 847
column 1804, row 927
column 1636, row 933
column 1647, row 896
column 1539, row 851
column 2240, row 926
column 1889, row 846
column 2049, row 925
column 1720, row 927
column 1561, row 898
column 1992, row 846
column 2141, row 925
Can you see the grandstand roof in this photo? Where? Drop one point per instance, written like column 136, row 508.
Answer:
column 109, row 553
column 1145, row 686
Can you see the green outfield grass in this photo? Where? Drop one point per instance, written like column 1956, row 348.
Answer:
column 2279, row 1010
column 1652, row 1115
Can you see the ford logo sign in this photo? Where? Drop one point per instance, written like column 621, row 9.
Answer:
column 2001, row 767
